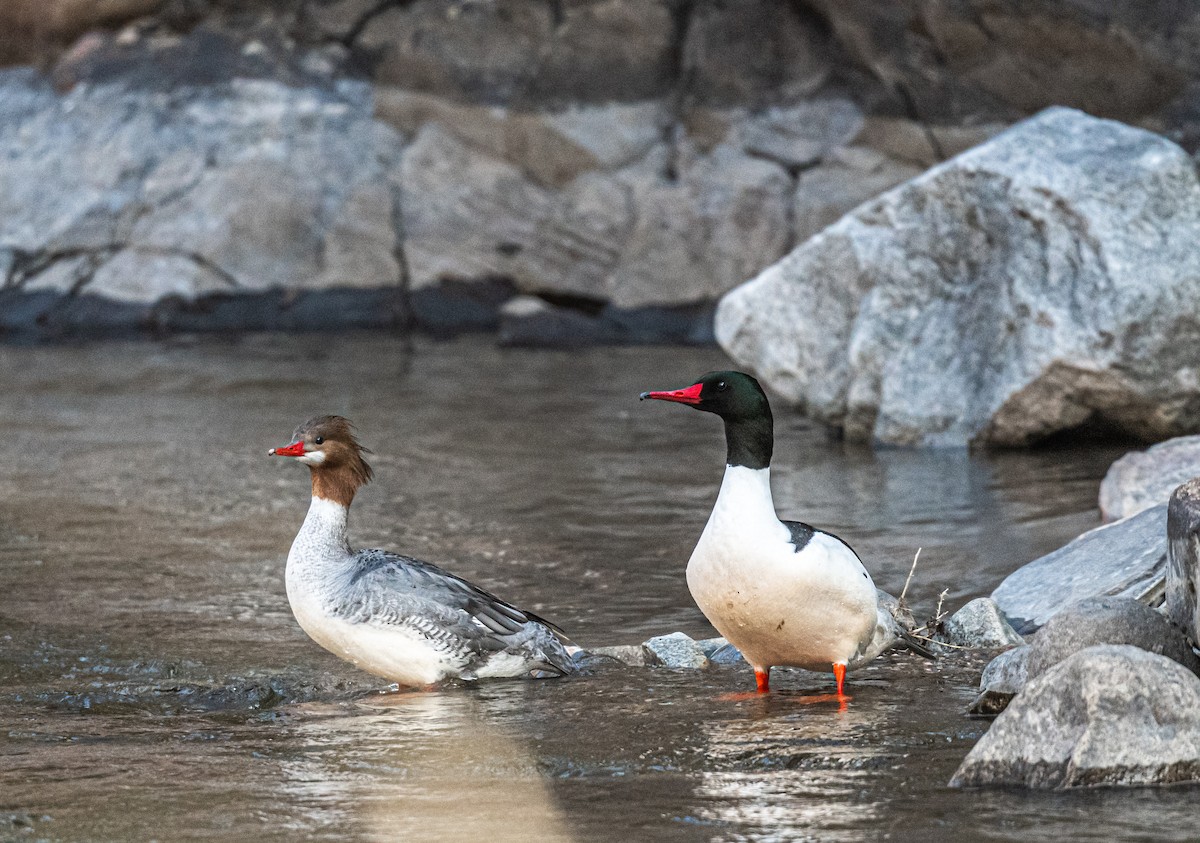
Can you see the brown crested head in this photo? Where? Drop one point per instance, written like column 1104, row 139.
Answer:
column 327, row 445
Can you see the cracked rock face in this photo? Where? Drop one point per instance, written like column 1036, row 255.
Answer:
column 1183, row 559
column 249, row 186
column 631, row 236
column 1034, row 284
column 1108, row 715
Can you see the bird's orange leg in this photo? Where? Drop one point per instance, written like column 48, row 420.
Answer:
column 763, row 679
column 839, row 674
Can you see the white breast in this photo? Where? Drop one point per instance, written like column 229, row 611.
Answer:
column 779, row 607
column 319, row 567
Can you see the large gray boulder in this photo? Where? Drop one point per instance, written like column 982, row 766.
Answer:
column 1142, row 479
column 1183, row 559
column 134, row 196
column 1108, row 715
column 1124, row 559
column 1031, row 285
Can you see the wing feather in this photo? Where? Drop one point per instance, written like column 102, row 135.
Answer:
column 464, row 621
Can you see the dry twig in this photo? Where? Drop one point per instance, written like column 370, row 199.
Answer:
column 911, row 571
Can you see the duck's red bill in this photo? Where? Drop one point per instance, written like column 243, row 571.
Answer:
column 296, row 449
column 690, row 395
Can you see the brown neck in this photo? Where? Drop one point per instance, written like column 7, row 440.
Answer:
column 335, row 484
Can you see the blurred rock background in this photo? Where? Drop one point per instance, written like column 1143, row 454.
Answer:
column 196, row 163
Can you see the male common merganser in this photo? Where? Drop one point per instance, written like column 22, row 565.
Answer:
column 782, row 592
column 405, row 620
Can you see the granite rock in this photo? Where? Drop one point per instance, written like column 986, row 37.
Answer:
column 979, row 625
column 632, row 238
column 1108, row 620
column 1107, row 715
column 1090, row 622
column 136, row 197
column 1142, row 479
column 675, row 650
column 1032, row 285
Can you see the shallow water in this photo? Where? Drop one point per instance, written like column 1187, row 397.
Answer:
column 154, row 685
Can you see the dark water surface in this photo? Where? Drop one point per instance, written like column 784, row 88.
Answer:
column 153, row 684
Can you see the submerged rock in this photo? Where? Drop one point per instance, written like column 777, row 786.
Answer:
column 979, row 625
column 1183, row 559
column 1142, row 479
column 633, row 655
column 1028, row 286
column 1108, row 715
column 1125, row 559
column 675, row 650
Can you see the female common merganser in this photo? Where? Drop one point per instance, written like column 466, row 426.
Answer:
column 405, row 620
column 782, row 592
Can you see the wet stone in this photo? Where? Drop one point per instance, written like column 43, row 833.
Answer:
column 980, row 625
column 1092, row 622
column 633, row 655
column 676, row 650
column 720, row 651
column 1142, row 479
column 1002, row 679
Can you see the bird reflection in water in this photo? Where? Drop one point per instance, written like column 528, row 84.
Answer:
column 795, row 766
column 416, row 766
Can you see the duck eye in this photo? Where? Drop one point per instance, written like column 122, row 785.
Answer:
column 720, row 384
column 319, row 440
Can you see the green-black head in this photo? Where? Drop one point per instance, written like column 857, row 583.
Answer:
column 738, row 399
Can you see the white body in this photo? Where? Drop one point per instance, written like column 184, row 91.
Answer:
column 809, row 609
column 319, row 568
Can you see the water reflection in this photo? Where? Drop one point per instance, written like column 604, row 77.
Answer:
column 793, row 769
column 421, row 766
column 142, row 542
